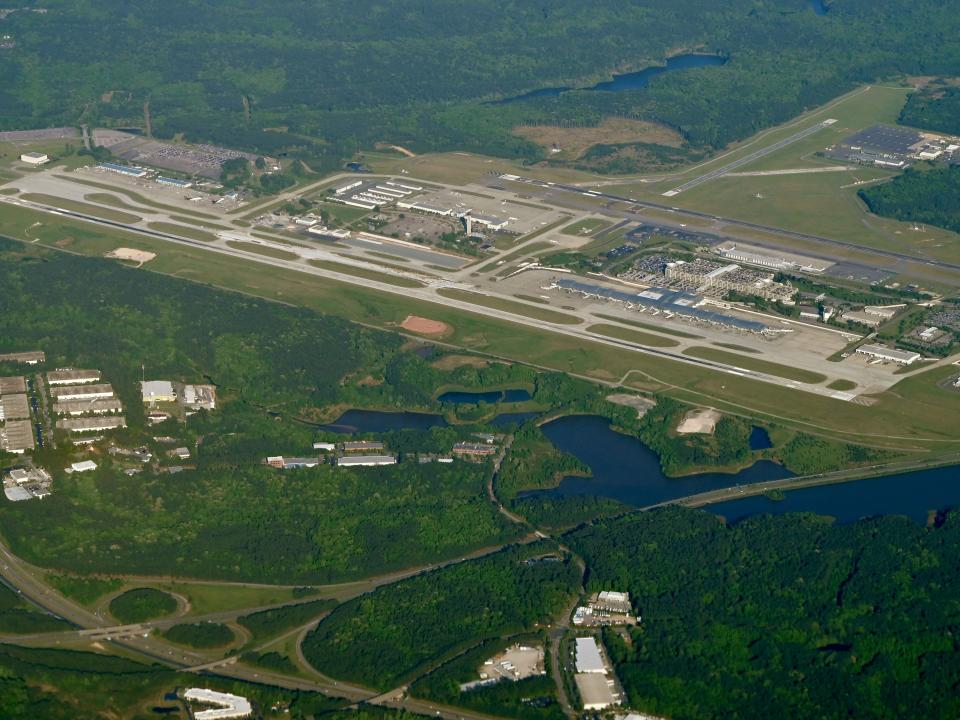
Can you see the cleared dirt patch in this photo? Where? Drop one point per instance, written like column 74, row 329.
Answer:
column 573, row 142
column 702, row 421
column 425, row 326
column 137, row 256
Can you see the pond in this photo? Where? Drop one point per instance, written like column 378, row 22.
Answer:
column 760, row 439
column 627, row 81
column 457, row 397
column 374, row 421
column 627, row 470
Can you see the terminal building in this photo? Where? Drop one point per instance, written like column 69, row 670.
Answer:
column 670, row 302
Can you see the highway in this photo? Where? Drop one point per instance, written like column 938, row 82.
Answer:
column 747, row 159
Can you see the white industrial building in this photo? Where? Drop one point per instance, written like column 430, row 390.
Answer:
column 92, row 424
column 226, row 706
column 589, row 659
column 87, row 407
column 34, row 158
column 879, row 352
column 596, row 691
column 69, row 376
column 82, row 466
column 366, row 460
column 157, row 391
column 82, row 392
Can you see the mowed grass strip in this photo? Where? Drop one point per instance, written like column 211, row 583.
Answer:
column 183, row 231
column 113, row 200
column 842, row 385
column 650, row 326
column 366, row 274
column 635, row 336
column 755, row 364
column 137, row 197
column 85, row 208
column 262, row 250
column 738, row 348
column 516, row 308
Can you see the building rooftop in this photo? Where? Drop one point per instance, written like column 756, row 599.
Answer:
column 589, row 659
column 14, row 407
column 227, row 706
column 70, row 376
column 367, row 460
column 31, row 358
column 156, row 389
column 92, row 424
column 12, row 385
column 81, row 391
column 94, row 405
column 17, row 436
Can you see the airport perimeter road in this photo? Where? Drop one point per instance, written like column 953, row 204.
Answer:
column 430, row 294
column 680, row 212
column 747, row 159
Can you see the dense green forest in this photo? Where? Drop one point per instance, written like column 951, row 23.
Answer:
column 318, row 80
column 382, row 638
column 936, row 106
column 922, row 196
column 787, row 612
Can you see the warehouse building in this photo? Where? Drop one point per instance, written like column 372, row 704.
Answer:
column 68, row 376
column 366, row 460
column 589, row 659
column 362, row 446
column 34, row 158
column 16, row 436
column 474, row 449
column 154, row 391
column 82, row 392
column 92, row 424
column 199, row 397
column 88, row 407
column 14, row 407
column 28, row 358
column 879, row 352
column 596, row 691
column 12, row 385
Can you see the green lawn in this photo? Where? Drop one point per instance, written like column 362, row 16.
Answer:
column 263, row 250
column 650, row 326
column 85, row 208
column 587, row 226
column 366, row 274
column 183, row 231
column 509, row 306
column 749, row 363
column 142, row 604
column 636, row 336
column 137, row 197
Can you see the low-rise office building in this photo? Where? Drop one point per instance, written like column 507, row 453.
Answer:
column 365, row 460
column 35, row 158
column 154, row 391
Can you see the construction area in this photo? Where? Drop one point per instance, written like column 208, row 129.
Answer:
column 517, row 662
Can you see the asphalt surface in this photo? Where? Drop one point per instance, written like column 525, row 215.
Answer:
column 829, row 242
column 747, row 159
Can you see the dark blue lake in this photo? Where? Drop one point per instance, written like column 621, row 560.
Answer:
column 494, row 396
column 912, row 494
column 627, row 81
column 373, row 421
column 627, row 470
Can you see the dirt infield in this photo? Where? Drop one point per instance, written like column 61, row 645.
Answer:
column 424, row 326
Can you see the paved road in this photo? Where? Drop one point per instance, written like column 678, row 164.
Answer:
column 890, row 254
column 747, row 159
